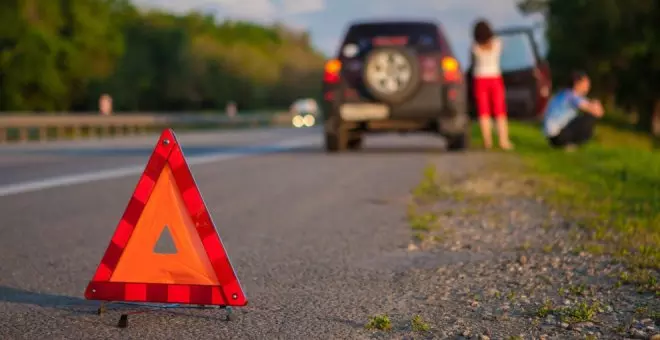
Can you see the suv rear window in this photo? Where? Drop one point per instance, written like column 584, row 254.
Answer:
column 422, row 35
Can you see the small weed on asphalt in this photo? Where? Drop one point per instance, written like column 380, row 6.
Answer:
column 581, row 312
column 417, row 324
column 379, row 322
column 423, row 222
column 428, row 189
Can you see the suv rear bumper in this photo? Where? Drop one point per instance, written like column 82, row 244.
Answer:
column 429, row 103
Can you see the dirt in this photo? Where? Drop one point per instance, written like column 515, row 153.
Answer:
column 516, row 270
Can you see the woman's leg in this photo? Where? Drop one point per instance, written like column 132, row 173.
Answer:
column 481, row 94
column 500, row 110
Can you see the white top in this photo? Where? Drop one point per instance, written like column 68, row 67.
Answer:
column 487, row 62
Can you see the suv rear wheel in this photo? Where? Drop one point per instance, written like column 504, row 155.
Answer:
column 458, row 142
column 336, row 138
column 341, row 140
column 456, row 130
column 335, row 142
column 355, row 142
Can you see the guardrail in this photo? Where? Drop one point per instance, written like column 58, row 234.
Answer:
column 24, row 128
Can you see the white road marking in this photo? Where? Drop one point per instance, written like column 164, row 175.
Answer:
column 60, row 181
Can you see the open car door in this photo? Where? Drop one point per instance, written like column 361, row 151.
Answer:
column 526, row 74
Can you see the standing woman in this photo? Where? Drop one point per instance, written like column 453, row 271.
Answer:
column 488, row 85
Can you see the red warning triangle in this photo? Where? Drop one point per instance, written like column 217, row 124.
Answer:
column 166, row 200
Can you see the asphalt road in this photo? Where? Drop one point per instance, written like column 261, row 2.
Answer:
column 317, row 240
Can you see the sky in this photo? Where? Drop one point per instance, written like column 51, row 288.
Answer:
column 326, row 20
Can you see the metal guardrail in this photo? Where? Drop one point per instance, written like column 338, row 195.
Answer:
column 24, row 128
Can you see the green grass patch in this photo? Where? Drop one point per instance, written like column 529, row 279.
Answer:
column 428, row 188
column 379, row 322
column 417, row 324
column 580, row 312
column 611, row 187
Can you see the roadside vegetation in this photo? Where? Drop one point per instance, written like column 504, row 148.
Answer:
column 570, row 239
column 61, row 55
column 611, row 188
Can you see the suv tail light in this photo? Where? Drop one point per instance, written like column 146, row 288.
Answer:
column 451, row 69
column 332, row 70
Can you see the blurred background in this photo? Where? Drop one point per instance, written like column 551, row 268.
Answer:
column 175, row 55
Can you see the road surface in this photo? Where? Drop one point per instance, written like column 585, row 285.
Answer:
column 321, row 243
column 311, row 236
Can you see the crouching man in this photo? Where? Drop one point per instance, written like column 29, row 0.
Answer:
column 563, row 124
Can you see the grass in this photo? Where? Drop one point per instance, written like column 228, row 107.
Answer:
column 580, row 312
column 428, row 188
column 417, row 324
column 610, row 186
column 379, row 322
column 423, row 221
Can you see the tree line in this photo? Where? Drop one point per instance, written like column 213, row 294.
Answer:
column 62, row 55
column 616, row 41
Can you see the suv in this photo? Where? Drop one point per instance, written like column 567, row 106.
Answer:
column 525, row 73
column 394, row 76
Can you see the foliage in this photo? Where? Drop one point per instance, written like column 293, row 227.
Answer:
column 62, row 54
column 616, row 41
column 379, row 322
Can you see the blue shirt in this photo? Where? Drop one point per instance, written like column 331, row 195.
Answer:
column 561, row 109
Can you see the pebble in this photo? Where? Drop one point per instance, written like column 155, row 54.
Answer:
column 522, row 260
column 637, row 334
column 489, row 317
column 564, row 325
column 550, row 320
column 583, row 324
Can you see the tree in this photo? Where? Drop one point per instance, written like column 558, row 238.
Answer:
column 616, row 41
column 63, row 54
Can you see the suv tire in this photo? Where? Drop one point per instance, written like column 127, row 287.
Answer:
column 336, row 138
column 355, row 143
column 335, row 142
column 458, row 142
column 395, row 63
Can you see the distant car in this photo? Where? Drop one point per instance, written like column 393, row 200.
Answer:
column 526, row 74
column 394, row 76
column 304, row 112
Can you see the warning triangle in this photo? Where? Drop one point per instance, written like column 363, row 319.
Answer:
column 166, row 207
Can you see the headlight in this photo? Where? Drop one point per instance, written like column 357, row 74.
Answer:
column 298, row 121
column 309, row 120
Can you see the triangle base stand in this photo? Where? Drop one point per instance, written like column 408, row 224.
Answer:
column 146, row 308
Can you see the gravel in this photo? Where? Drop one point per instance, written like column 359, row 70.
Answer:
column 517, row 274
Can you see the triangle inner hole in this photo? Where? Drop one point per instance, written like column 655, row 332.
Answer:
column 165, row 243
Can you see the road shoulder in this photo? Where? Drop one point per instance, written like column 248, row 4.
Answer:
column 514, row 267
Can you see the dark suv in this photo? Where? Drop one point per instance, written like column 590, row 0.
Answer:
column 394, row 76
